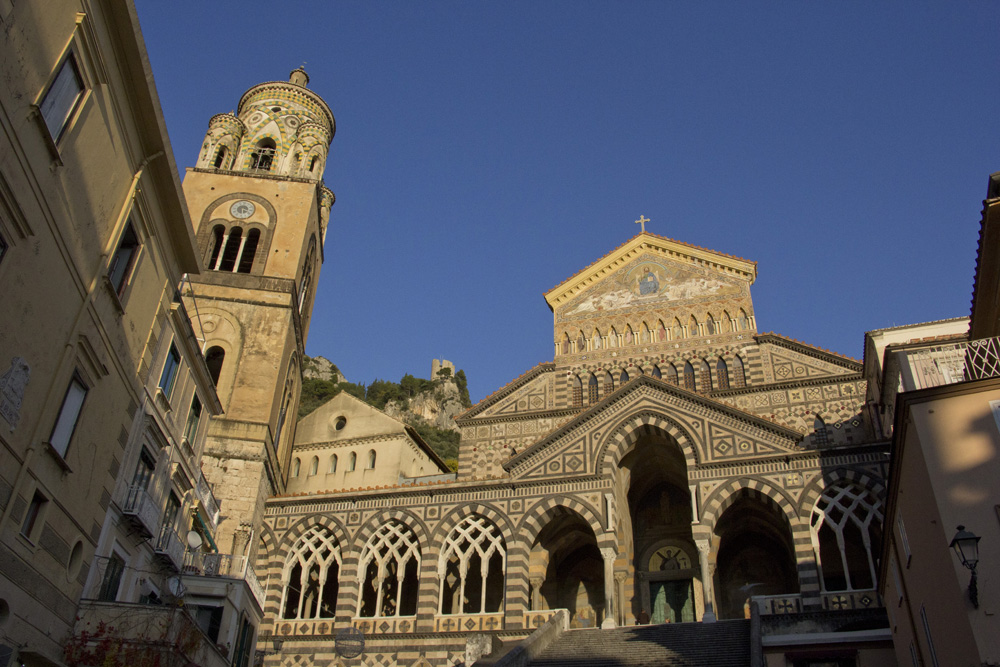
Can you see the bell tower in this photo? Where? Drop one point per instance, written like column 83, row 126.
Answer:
column 260, row 210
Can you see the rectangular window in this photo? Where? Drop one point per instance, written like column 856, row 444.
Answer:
column 62, row 97
column 209, row 619
column 194, row 418
column 112, row 579
column 31, row 516
column 123, row 261
column 69, row 413
column 143, row 471
column 172, row 510
column 170, row 371
column 927, row 634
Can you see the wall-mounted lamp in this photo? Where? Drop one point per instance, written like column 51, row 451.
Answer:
column 966, row 545
column 276, row 644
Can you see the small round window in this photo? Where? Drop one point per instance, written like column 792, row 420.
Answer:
column 341, row 423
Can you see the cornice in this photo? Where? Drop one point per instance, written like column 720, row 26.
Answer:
column 809, row 350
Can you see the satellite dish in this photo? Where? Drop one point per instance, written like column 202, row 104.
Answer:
column 176, row 587
column 194, row 540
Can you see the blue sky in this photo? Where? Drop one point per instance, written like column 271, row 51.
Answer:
column 485, row 151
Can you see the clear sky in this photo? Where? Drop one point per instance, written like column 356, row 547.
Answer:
column 486, row 151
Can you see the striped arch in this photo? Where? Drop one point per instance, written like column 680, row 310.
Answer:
column 723, row 497
column 620, row 439
column 456, row 514
column 409, row 519
column 536, row 518
column 814, row 488
column 268, row 544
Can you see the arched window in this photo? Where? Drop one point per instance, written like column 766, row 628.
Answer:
column 721, row 374
column 577, row 390
column 624, row 377
column 296, row 467
column 671, row 375
column 312, row 163
column 593, row 395
column 742, row 321
column 371, row 458
column 249, row 250
column 262, row 156
column 218, row 239
column 231, row 252
column 629, row 337
column 214, row 357
column 710, row 327
column 727, row 321
column 220, row 157
column 704, row 375
column 333, row 463
column 314, row 466
column 565, row 344
column 581, row 343
column 821, row 434
column 678, row 329
column 612, row 338
column 656, row 372
column 645, row 334
column 693, row 327
column 688, row 376
column 846, row 534
column 661, row 332
column 739, row 376
column 307, row 271
column 609, row 383
column 471, row 568
column 310, row 579
column 596, row 340
column 352, row 462
column 389, row 565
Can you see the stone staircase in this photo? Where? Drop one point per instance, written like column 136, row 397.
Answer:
column 720, row 644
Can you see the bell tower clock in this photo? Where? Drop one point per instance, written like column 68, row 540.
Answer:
column 260, row 210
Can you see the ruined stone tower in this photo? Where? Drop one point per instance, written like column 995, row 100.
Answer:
column 260, row 211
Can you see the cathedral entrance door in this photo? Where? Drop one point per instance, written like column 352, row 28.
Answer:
column 672, row 601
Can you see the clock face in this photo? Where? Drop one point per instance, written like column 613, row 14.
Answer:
column 242, row 209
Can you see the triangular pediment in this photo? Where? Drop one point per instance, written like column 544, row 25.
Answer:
column 647, row 270
column 710, row 431
column 345, row 417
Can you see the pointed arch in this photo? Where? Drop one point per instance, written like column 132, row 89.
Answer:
column 689, row 382
column 314, row 466
column 581, row 342
column 389, row 572
column 727, row 322
column 621, row 438
column 565, row 345
column 693, row 329
column 671, row 374
column 624, row 377
column 710, row 325
column 739, row 374
column 609, row 383
column 655, row 372
column 576, row 391
column 846, row 533
column 612, row 338
column 721, row 374
column 629, row 336
column 593, row 393
column 678, row 330
column 595, row 339
column 644, row 333
column 263, row 155
column 661, row 332
column 742, row 321
column 704, row 376
column 536, row 517
column 310, row 577
column 471, row 568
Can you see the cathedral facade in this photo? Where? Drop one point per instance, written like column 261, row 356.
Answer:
column 671, row 461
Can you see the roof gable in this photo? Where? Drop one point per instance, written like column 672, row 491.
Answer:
column 647, row 268
column 713, row 432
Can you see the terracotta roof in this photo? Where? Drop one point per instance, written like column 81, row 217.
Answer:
column 655, row 236
column 508, row 387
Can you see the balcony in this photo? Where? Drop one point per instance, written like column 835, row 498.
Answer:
column 140, row 509
column 136, row 633
column 169, row 548
column 791, row 603
column 209, row 506
column 224, row 565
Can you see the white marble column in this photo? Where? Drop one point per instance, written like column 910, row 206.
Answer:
column 609, row 554
column 704, row 547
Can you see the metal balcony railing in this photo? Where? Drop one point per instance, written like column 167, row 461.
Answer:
column 169, row 547
column 141, row 509
column 207, row 499
column 224, row 565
